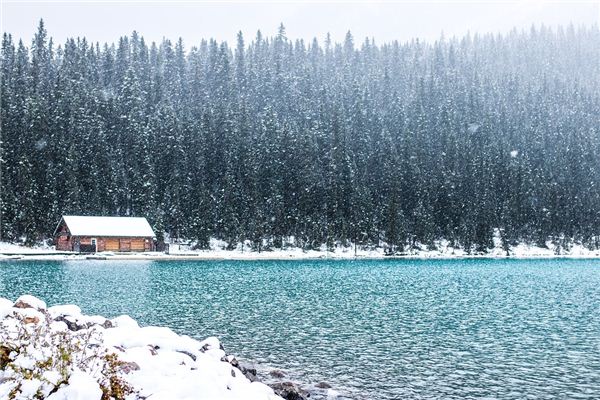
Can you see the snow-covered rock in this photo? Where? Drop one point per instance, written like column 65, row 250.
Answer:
column 28, row 301
column 5, row 307
column 124, row 321
column 64, row 310
column 59, row 353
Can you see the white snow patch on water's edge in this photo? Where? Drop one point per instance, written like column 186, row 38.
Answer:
column 60, row 354
column 218, row 250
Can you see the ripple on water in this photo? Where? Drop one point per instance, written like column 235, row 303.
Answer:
column 509, row 329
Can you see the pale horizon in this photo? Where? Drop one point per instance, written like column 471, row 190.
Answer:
column 107, row 21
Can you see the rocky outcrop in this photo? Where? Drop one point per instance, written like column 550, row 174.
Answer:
column 286, row 389
column 28, row 301
column 58, row 353
column 290, row 391
column 71, row 316
column 246, row 369
column 276, row 373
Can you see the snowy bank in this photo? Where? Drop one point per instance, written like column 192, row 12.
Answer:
column 441, row 250
column 57, row 353
column 221, row 250
column 19, row 248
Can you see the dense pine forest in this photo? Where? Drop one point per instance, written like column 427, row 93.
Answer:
column 283, row 142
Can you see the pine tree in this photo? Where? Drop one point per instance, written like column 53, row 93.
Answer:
column 397, row 143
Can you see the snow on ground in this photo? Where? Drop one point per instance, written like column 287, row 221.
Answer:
column 218, row 251
column 15, row 248
column 57, row 353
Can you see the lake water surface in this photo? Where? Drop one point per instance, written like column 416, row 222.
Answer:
column 391, row 329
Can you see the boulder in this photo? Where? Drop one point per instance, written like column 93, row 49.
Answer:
column 71, row 323
column 231, row 360
column 31, row 320
column 78, row 322
column 125, row 321
column 65, row 310
column 90, row 321
column 289, row 391
column 187, row 353
column 30, row 315
column 276, row 373
column 210, row 343
column 128, row 366
column 249, row 372
column 246, row 369
column 27, row 301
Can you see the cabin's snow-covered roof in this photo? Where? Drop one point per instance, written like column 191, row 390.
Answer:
column 108, row 226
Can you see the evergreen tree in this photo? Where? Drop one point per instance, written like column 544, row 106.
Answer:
column 277, row 141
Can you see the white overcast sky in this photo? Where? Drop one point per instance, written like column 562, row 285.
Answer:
column 105, row 21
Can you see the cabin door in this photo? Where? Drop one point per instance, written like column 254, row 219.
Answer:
column 111, row 244
column 137, row 245
column 95, row 245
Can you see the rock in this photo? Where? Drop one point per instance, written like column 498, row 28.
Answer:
column 6, row 307
column 27, row 301
column 249, row 372
column 187, row 353
column 231, row 360
column 289, row 391
column 77, row 324
column 124, row 321
column 323, row 385
column 58, row 326
column 30, row 315
column 112, row 351
column 71, row 323
column 31, row 320
column 277, row 373
column 210, row 343
column 246, row 369
column 90, row 321
column 65, row 310
column 128, row 366
column 251, row 377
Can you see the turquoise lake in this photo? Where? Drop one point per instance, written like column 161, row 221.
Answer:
column 387, row 329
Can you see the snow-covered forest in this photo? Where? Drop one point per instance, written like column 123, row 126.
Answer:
column 271, row 138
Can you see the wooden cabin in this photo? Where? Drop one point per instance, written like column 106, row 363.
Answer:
column 94, row 234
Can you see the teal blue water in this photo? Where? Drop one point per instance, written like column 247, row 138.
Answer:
column 392, row 329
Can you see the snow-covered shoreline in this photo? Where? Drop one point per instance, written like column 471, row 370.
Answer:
column 58, row 353
column 217, row 251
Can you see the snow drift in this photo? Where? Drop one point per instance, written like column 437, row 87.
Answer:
column 57, row 353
